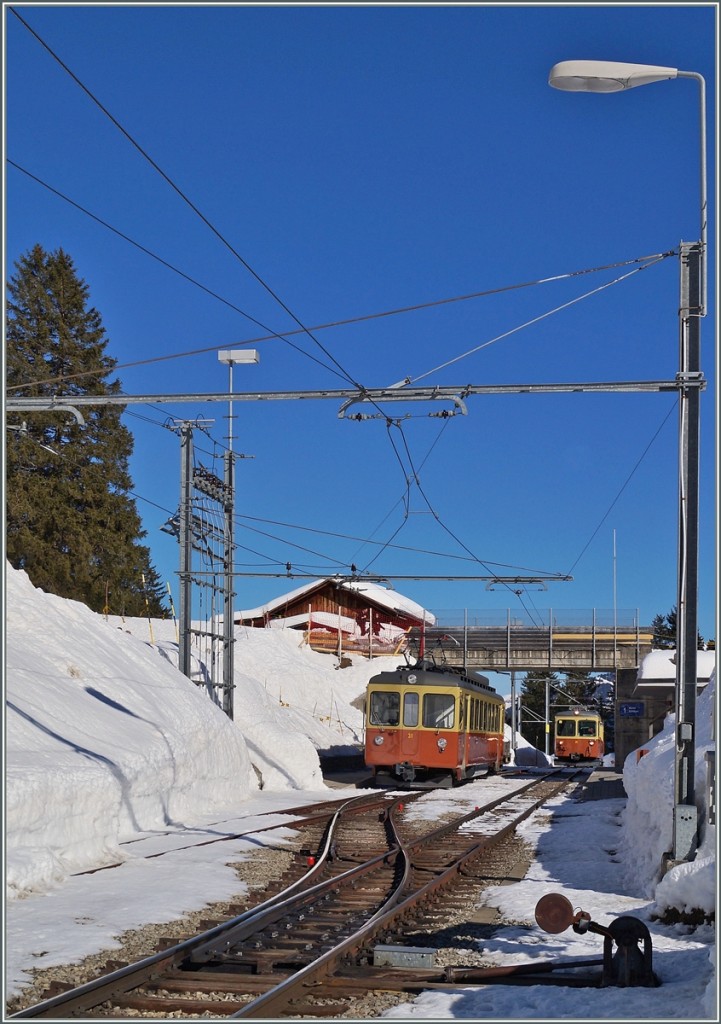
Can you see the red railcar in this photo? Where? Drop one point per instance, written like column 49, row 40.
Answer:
column 578, row 735
column 430, row 726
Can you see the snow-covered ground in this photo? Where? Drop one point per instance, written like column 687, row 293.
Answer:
column 112, row 755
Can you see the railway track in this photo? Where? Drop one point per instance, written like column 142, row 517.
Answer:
column 369, row 873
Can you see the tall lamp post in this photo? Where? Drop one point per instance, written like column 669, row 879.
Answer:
column 610, row 76
column 231, row 357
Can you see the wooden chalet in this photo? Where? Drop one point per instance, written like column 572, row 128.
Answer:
column 339, row 615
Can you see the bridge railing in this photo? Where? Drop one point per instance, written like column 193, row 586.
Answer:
column 596, row 636
column 624, row 619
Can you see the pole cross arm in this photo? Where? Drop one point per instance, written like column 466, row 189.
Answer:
column 453, row 393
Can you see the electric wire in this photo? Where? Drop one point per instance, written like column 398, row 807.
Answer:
column 143, row 362
column 241, row 517
column 283, row 305
column 623, row 487
column 404, row 498
column 537, row 319
column 188, row 202
column 274, row 335
column 445, row 527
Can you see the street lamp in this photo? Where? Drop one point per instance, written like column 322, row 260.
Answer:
column 611, row 76
column 231, row 357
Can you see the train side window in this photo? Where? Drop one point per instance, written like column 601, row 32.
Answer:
column 476, row 706
column 586, row 727
column 385, row 708
column 410, row 710
column 566, row 727
column 439, row 711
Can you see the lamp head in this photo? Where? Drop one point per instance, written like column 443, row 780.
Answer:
column 239, row 355
column 605, row 75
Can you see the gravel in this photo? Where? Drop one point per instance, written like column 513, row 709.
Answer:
column 457, row 941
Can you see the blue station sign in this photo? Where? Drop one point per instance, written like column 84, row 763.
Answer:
column 631, row 709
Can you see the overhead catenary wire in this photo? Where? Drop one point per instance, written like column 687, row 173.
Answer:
column 623, row 486
column 240, row 518
column 186, row 199
column 266, row 286
column 193, row 207
column 445, row 527
column 284, row 335
column 537, row 319
column 142, row 362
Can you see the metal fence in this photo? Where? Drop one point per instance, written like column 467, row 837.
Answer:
column 544, row 618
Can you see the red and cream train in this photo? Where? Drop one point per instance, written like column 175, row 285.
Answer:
column 429, row 726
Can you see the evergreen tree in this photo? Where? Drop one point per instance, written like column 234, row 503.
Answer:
column 533, row 706
column 581, row 689
column 575, row 689
column 71, row 524
column 664, row 632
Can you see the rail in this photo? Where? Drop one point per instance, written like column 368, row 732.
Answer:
column 401, row 875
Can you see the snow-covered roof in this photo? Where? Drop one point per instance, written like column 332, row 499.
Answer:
column 389, row 599
column 660, row 667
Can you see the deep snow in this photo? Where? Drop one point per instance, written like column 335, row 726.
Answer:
column 112, row 755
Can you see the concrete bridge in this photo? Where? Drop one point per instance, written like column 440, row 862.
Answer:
column 534, row 648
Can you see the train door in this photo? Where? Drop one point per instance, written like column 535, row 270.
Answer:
column 410, row 720
column 463, row 734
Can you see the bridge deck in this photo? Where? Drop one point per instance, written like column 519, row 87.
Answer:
column 565, row 648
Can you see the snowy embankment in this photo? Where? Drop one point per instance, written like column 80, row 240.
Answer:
column 648, row 816
column 106, row 738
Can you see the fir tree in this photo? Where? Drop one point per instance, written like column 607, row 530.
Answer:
column 581, row 689
column 533, row 706
column 664, row 632
column 71, row 524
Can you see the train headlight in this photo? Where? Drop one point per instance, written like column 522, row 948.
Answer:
column 442, row 743
column 377, row 740
column 412, row 677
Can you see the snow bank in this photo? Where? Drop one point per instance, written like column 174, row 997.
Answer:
column 106, row 738
column 648, row 817
column 103, row 738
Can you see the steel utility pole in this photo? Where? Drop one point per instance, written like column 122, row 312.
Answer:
column 228, row 592
column 185, row 541
column 685, row 820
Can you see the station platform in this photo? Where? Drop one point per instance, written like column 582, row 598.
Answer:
column 602, row 784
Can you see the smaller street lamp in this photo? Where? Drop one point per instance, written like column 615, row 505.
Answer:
column 231, row 357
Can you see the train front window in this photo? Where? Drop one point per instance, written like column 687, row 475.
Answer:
column 439, row 711
column 586, row 727
column 566, row 727
column 385, row 708
column 410, row 710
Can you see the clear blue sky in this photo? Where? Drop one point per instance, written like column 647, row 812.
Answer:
column 362, row 159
